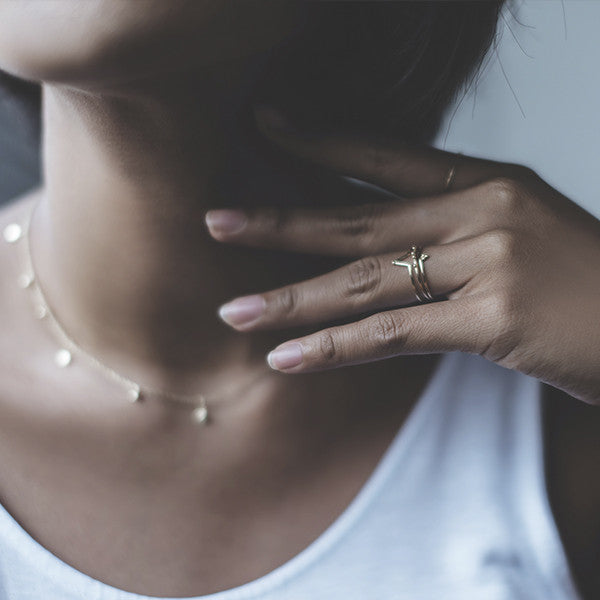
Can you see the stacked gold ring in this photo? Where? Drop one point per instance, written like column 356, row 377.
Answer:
column 413, row 260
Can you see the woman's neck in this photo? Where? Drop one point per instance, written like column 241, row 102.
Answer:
column 119, row 239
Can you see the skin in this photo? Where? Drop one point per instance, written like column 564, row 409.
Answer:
column 139, row 132
column 519, row 275
column 131, row 163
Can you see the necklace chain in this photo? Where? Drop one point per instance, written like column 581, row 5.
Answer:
column 64, row 356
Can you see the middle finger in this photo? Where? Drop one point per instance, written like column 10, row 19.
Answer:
column 368, row 284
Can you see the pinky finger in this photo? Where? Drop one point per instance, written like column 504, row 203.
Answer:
column 462, row 324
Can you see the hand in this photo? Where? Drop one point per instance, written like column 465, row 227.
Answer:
column 514, row 266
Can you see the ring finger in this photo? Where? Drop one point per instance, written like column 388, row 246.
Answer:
column 368, row 284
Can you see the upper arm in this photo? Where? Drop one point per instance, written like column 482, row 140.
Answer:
column 572, row 455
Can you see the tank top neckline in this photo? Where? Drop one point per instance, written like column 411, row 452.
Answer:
column 327, row 540
column 551, row 559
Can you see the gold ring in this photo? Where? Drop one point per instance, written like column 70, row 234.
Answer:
column 413, row 260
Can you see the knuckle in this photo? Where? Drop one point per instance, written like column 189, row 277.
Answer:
column 275, row 220
column 360, row 224
column 505, row 193
column 328, row 346
column 500, row 245
column 502, row 310
column 389, row 333
column 364, row 277
column 287, row 300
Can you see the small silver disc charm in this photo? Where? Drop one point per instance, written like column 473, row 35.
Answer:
column 200, row 414
column 134, row 394
column 40, row 311
column 25, row 280
column 63, row 358
column 12, row 233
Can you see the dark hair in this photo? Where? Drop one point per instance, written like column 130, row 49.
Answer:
column 389, row 67
column 369, row 66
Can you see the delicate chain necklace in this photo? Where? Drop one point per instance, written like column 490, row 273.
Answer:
column 63, row 357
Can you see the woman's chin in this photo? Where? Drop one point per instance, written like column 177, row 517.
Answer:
column 98, row 42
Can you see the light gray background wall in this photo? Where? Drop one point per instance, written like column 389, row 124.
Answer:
column 552, row 62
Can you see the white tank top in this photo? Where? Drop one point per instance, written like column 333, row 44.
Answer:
column 456, row 509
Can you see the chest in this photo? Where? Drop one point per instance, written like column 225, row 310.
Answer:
column 184, row 533
column 162, row 539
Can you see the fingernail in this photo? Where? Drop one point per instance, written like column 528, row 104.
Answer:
column 225, row 221
column 271, row 118
column 242, row 311
column 286, row 356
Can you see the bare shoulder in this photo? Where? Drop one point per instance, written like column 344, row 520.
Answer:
column 572, row 445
